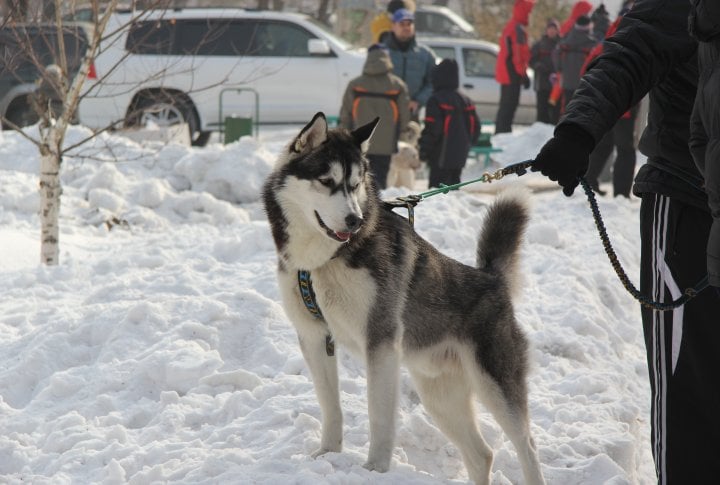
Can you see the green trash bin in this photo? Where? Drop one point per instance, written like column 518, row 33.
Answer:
column 236, row 127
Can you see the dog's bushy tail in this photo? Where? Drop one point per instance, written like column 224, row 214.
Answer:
column 502, row 233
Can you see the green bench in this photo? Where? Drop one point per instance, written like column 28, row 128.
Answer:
column 484, row 148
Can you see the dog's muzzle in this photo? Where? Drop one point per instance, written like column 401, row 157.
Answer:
column 352, row 223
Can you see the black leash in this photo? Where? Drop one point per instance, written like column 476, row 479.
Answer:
column 688, row 294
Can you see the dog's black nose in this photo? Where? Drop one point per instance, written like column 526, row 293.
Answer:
column 353, row 222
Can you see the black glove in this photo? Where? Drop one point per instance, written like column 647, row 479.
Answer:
column 565, row 157
column 526, row 82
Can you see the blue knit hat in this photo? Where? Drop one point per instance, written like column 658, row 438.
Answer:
column 402, row 14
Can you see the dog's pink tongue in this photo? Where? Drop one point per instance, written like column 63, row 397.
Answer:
column 343, row 235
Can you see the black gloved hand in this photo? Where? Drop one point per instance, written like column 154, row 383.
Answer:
column 526, row 82
column 565, row 157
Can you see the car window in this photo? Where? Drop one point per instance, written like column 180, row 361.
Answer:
column 219, row 37
column 213, row 37
column 281, row 39
column 479, row 62
column 432, row 22
column 150, row 37
column 25, row 49
column 444, row 52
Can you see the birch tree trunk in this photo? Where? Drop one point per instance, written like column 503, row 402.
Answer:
column 50, row 190
column 52, row 136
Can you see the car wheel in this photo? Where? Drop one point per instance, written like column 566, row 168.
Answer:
column 21, row 114
column 166, row 110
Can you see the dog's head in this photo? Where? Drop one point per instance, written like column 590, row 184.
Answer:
column 411, row 133
column 323, row 177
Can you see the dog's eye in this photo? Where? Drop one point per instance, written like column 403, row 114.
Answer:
column 355, row 187
column 327, row 182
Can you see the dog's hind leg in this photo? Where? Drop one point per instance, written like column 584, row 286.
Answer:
column 509, row 408
column 382, row 380
column 323, row 369
column 448, row 399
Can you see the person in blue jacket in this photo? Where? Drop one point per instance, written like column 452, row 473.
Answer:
column 412, row 62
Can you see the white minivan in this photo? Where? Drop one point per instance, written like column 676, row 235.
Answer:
column 199, row 65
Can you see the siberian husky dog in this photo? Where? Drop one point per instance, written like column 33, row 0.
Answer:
column 353, row 272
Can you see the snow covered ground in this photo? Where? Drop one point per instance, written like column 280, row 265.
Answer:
column 158, row 351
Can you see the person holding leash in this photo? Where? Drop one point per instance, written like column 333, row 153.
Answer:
column 652, row 51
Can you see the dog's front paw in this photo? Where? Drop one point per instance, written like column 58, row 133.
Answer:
column 377, row 466
column 324, row 450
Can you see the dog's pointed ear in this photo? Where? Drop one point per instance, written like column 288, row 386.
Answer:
column 362, row 134
column 312, row 135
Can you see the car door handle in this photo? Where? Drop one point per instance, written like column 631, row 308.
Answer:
column 468, row 86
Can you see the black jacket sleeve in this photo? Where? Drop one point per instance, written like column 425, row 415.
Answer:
column 651, row 40
column 705, row 119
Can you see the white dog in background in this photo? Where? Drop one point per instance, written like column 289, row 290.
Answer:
column 407, row 159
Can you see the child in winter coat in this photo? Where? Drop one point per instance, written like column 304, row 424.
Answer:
column 452, row 126
column 377, row 93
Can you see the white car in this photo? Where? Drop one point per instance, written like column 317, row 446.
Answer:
column 476, row 62
column 200, row 65
column 434, row 20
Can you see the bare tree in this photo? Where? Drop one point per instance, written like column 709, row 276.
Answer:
column 490, row 16
column 52, row 133
column 16, row 10
column 55, row 103
column 323, row 13
column 65, row 81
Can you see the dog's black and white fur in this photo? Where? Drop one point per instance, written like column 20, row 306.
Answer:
column 389, row 297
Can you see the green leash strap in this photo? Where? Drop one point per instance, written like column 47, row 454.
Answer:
column 519, row 169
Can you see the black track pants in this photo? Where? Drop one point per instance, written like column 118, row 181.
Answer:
column 509, row 100
column 683, row 346
column 379, row 166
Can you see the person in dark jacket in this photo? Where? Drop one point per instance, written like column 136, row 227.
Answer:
column 581, row 7
column 651, row 51
column 621, row 138
column 542, row 64
column 512, row 63
column 570, row 54
column 601, row 22
column 451, row 127
column 705, row 121
column 412, row 62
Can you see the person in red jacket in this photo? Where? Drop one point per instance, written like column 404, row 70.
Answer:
column 512, row 64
